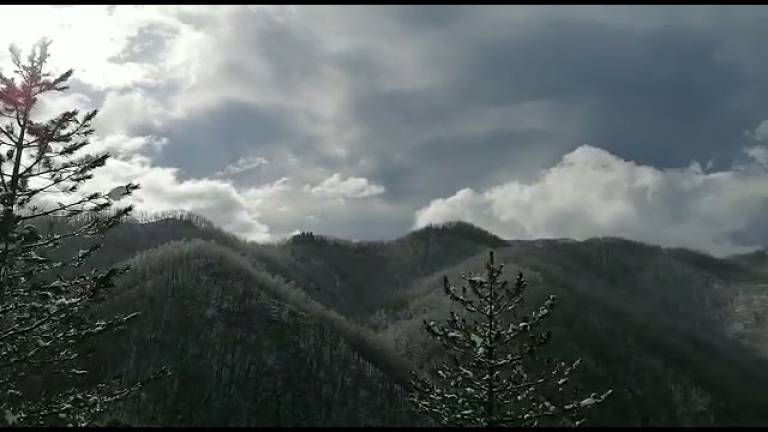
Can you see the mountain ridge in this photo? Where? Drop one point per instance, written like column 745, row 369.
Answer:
column 639, row 314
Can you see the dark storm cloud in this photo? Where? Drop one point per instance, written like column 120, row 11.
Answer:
column 659, row 97
column 215, row 138
column 427, row 100
column 147, row 45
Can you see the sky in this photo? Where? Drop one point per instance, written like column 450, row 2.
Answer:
column 366, row 122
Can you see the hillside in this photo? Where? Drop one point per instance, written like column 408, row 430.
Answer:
column 648, row 322
column 340, row 319
column 246, row 350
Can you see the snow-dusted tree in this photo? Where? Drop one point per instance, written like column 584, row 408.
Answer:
column 495, row 375
column 46, row 297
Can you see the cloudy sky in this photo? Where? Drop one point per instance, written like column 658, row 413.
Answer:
column 365, row 122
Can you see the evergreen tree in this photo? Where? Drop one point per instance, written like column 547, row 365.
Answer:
column 46, row 299
column 495, row 376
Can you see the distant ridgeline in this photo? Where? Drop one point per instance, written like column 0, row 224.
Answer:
column 316, row 331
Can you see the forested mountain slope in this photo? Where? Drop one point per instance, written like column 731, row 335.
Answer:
column 649, row 323
column 243, row 352
column 333, row 326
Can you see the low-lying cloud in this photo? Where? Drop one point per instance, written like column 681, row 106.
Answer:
column 591, row 193
column 264, row 212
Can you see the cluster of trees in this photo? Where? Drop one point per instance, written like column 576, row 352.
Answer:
column 249, row 349
column 51, row 303
column 303, row 237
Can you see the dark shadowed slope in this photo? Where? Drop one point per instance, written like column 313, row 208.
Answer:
column 246, row 349
column 648, row 321
column 654, row 324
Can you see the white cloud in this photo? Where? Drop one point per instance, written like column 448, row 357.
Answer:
column 759, row 154
column 285, row 207
column 161, row 190
column 351, row 187
column 121, row 111
column 54, row 104
column 591, row 192
column 761, row 132
column 243, row 164
column 258, row 195
column 87, row 37
column 122, row 146
column 261, row 213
